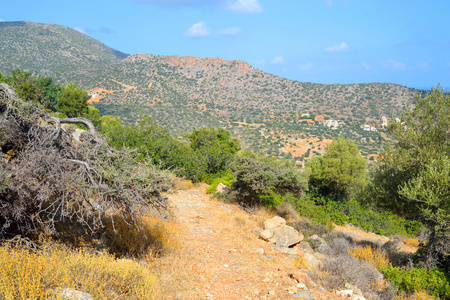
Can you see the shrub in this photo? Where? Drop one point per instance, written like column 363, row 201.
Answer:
column 52, row 180
column 263, row 180
column 227, row 180
column 27, row 275
column 434, row 281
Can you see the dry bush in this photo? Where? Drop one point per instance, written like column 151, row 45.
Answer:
column 369, row 254
column 53, row 181
column 27, row 275
column 341, row 268
column 307, row 228
column 155, row 237
column 288, row 212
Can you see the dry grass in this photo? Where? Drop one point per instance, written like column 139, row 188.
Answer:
column 420, row 295
column 369, row 254
column 300, row 262
column 262, row 214
column 25, row 275
column 155, row 237
column 183, row 184
column 411, row 242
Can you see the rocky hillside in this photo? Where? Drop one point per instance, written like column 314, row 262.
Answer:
column 268, row 113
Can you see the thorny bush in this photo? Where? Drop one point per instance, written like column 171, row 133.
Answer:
column 46, row 179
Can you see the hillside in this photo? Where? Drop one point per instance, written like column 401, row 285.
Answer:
column 268, row 113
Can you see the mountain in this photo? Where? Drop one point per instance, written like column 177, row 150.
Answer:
column 268, row 113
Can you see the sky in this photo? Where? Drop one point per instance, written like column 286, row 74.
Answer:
column 319, row 41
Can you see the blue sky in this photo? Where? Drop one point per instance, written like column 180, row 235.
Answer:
column 321, row 41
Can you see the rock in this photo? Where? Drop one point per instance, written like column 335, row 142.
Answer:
column 285, row 236
column 271, row 293
column 358, row 298
column 274, row 222
column 311, row 261
column 303, row 295
column 71, row 294
column 301, row 277
column 266, row 234
column 302, row 286
column 286, row 250
column 222, row 188
column 355, row 289
column 259, row 250
column 321, row 244
column 347, row 293
column 305, row 247
column 320, row 256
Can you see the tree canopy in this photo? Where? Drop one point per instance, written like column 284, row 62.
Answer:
column 413, row 177
column 72, row 100
column 339, row 171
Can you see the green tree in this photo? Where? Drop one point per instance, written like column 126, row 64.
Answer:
column 215, row 149
column 340, row 171
column 265, row 180
column 72, row 100
column 412, row 178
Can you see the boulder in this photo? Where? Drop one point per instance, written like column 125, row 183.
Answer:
column 305, row 247
column 303, row 295
column 285, row 236
column 222, row 188
column 274, row 222
column 319, row 243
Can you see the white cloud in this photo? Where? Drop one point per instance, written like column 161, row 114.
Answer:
column 277, row 60
column 306, row 66
column 246, row 6
column 329, row 2
column 230, row 31
column 1, row 20
column 337, row 48
column 391, row 63
column 365, row 65
column 261, row 62
column 80, row 30
column 198, row 30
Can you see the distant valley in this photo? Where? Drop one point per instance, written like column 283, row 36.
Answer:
column 270, row 114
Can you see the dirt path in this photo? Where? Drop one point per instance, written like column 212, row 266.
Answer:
column 226, row 258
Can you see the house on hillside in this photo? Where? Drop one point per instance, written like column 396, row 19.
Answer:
column 384, row 122
column 373, row 128
column 366, row 127
column 333, row 124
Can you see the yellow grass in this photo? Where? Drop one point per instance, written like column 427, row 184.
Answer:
column 300, row 262
column 411, row 242
column 369, row 254
column 25, row 275
column 183, row 184
column 419, row 295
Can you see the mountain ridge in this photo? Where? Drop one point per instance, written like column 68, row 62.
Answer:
column 185, row 92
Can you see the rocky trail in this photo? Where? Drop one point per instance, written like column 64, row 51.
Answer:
column 226, row 258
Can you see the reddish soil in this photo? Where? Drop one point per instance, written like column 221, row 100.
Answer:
column 222, row 240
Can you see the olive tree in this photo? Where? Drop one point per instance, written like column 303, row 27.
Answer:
column 413, row 177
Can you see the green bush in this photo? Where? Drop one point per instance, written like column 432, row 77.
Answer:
column 433, row 281
column 227, row 180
